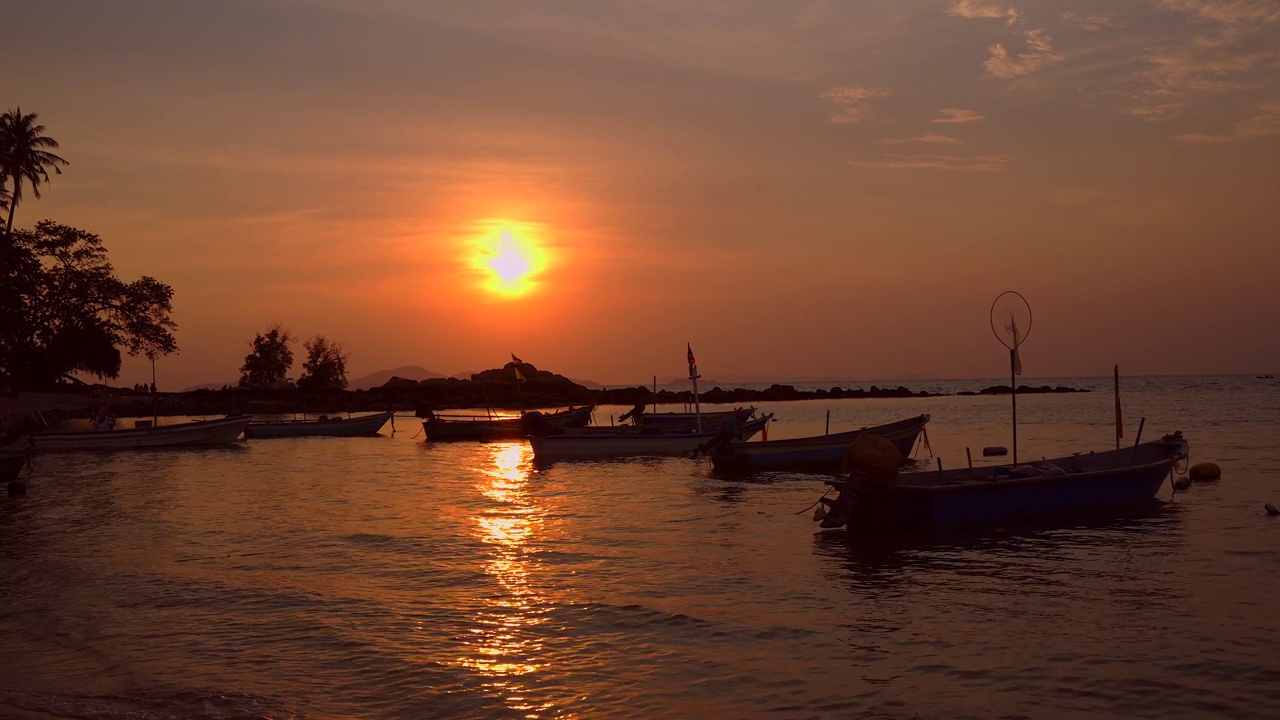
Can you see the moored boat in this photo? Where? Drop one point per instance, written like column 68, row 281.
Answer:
column 483, row 427
column 681, row 419
column 323, row 427
column 889, row 502
column 632, row 443
column 222, row 431
column 11, row 463
column 821, row 453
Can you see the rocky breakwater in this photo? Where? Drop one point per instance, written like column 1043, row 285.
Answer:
column 1024, row 390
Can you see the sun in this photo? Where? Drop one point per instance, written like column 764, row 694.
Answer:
column 509, row 261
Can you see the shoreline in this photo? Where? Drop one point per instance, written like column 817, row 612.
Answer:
column 407, row 396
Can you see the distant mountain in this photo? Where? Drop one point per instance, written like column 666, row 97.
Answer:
column 587, row 383
column 380, row 378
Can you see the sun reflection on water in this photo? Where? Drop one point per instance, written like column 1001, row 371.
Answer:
column 503, row 645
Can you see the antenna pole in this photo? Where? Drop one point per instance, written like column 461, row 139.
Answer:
column 1013, row 393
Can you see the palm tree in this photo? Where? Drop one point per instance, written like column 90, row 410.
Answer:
column 24, row 155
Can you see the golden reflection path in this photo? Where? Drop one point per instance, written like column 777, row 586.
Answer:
column 503, row 645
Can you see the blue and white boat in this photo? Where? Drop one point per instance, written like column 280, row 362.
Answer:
column 323, row 427
column 626, row 441
column 987, row 496
column 821, row 453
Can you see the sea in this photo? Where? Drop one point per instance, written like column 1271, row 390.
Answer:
column 390, row 577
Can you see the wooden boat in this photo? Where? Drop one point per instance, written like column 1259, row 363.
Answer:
column 11, row 463
column 822, row 453
column 201, row 432
column 991, row 495
column 681, row 419
column 324, row 427
column 482, row 427
column 630, row 443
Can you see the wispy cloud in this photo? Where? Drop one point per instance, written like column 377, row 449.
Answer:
column 984, row 10
column 957, row 115
column 1237, row 45
column 1092, row 23
column 1157, row 112
column 852, row 101
column 1264, row 124
column 926, row 138
column 1001, row 62
column 1038, row 54
column 972, row 163
column 1228, row 12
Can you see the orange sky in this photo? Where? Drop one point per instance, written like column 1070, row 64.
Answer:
column 812, row 189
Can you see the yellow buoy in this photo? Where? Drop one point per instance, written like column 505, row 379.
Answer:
column 1205, row 471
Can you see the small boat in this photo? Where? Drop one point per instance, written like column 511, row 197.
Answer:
column 222, row 431
column 680, row 419
column 484, row 427
column 324, row 427
column 985, row 496
column 627, row 442
column 821, row 453
column 11, row 463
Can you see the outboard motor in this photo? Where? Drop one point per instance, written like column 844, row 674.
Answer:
column 535, row 424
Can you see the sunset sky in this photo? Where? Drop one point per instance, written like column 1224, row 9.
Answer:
column 813, row 189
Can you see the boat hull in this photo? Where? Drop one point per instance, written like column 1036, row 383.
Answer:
column 482, row 428
column 683, row 419
column 348, row 427
column 550, row 448
column 11, row 464
column 994, row 495
column 222, row 431
column 819, row 454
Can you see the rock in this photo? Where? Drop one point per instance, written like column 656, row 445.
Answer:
column 1271, row 510
column 1201, row 472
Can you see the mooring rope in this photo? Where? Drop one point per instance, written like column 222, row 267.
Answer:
column 815, row 502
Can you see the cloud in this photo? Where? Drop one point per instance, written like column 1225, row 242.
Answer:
column 956, row 115
column 851, row 101
column 1237, row 45
column 973, row 163
column 926, row 138
column 1227, row 12
column 1264, row 124
column 984, row 10
column 1038, row 54
column 1092, row 23
column 1157, row 112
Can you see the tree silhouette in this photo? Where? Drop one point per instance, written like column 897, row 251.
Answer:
column 25, row 156
column 270, row 358
column 66, row 311
column 326, row 365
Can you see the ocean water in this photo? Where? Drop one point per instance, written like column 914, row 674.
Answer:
column 388, row 577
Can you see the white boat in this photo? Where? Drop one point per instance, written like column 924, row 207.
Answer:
column 324, row 427
column 222, row 431
column 630, row 443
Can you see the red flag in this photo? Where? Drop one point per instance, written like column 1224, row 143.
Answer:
column 693, row 364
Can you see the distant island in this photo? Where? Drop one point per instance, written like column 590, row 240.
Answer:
column 494, row 388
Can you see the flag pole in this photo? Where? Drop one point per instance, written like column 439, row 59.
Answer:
column 1119, row 418
column 655, row 393
column 1013, row 393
